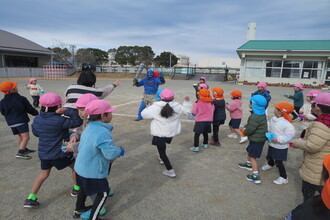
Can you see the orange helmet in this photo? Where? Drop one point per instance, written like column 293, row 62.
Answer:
column 236, row 93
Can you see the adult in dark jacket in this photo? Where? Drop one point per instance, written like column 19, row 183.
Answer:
column 219, row 115
column 16, row 108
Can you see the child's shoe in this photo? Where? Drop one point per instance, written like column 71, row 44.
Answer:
column 243, row 139
column 280, row 181
column 170, row 173
column 205, row 146
column 215, row 143
column 191, row 116
column 266, row 167
column 29, row 203
column 27, row 151
column 195, row 149
column 86, row 215
column 254, row 178
column 76, row 214
column 74, row 192
column 23, row 156
column 111, row 192
column 246, row 166
column 232, row 135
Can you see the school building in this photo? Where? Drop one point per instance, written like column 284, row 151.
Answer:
column 285, row 61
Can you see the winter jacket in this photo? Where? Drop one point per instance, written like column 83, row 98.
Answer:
column 284, row 132
column 264, row 93
column 150, row 85
column 219, row 110
column 52, row 129
column 298, row 98
column 16, row 108
column 96, row 149
column 256, row 128
column 34, row 89
column 203, row 111
column 315, row 146
column 306, row 110
column 235, row 109
column 166, row 127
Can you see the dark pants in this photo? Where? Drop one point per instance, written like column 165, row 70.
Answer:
column 308, row 190
column 216, row 133
column 296, row 110
column 35, row 101
column 196, row 139
column 279, row 165
column 161, row 147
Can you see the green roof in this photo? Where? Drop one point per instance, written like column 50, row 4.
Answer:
column 286, row 45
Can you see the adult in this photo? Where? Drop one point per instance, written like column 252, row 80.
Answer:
column 151, row 84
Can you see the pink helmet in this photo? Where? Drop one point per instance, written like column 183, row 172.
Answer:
column 313, row 93
column 203, row 86
column 32, row 79
column 84, row 99
column 322, row 99
column 167, row 94
column 263, row 85
column 50, row 100
column 97, row 107
column 299, row 86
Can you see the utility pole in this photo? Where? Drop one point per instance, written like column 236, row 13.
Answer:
column 170, row 60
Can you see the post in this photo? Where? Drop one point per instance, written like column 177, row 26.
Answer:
column 170, row 60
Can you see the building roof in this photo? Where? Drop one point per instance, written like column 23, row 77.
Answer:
column 13, row 43
column 302, row 45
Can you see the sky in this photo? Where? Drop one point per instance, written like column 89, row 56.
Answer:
column 199, row 29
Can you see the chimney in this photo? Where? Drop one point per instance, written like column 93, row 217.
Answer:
column 251, row 31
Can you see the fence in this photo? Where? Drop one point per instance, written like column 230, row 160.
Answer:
column 12, row 72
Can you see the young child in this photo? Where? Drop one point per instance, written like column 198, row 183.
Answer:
column 35, row 90
column 165, row 124
column 16, row 108
column 52, row 129
column 315, row 145
column 262, row 90
column 197, row 86
column 305, row 112
column 203, row 110
column 219, row 115
column 298, row 99
column 255, row 130
column 236, row 114
column 280, row 126
column 96, row 151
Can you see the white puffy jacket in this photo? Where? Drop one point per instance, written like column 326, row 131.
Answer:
column 283, row 130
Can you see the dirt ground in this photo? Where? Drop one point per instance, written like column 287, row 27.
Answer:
column 209, row 184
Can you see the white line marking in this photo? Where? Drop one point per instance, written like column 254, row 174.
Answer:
column 127, row 103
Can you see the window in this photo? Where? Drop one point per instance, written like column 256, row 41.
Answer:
column 311, row 69
column 20, row 61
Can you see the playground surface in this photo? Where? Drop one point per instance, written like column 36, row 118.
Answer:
column 209, row 184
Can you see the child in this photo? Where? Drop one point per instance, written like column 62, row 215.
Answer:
column 52, row 129
column 298, row 99
column 305, row 113
column 262, row 90
column 197, row 87
column 16, row 108
column 280, row 125
column 166, row 124
column 203, row 110
column 235, row 109
column 35, row 90
column 315, row 145
column 255, row 130
column 219, row 115
column 96, row 151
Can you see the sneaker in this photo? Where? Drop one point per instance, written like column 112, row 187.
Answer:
column 76, row 214
column 74, row 192
column 205, row 146
column 191, row 116
column 86, row 215
column 170, row 173
column 23, row 156
column 195, row 149
column 253, row 178
column 161, row 161
column 243, row 139
column 27, row 151
column 138, row 119
column 232, row 135
column 280, row 181
column 266, row 167
column 111, row 192
column 215, row 143
column 246, row 166
column 29, row 203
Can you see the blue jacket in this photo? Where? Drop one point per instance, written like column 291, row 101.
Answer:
column 52, row 129
column 150, row 85
column 265, row 94
column 15, row 108
column 96, row 149
column 219, row 110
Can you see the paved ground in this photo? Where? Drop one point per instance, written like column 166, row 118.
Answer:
column 209, row 184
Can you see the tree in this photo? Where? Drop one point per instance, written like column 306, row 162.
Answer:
column 134, row 55
column 62, row 55
column 166, row 59
column 91, row 55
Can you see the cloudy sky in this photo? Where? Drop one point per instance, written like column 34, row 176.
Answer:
column 195, row 28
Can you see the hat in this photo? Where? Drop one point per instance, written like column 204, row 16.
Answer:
column 313, row 93
column 325, row 195
column 259, row 103
column 150, row 72
column 156, row 74
column 203, row 86
column 218, row 93
column 236, row 93
column 203, row 78
column 50, row 100
column 286, row 108
column 6, row 87
column 322, row 99
column 84, row 99
column 97, row 107
column 299, row 86
column 263, row 85
column 167, row 94
column 32, row 79
column 204, row 95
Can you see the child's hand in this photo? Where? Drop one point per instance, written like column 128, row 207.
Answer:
column 60, row 111
column 67, row 148
column 116, row 83
column 274, row 140
column 186, row 98
column 73, row 139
